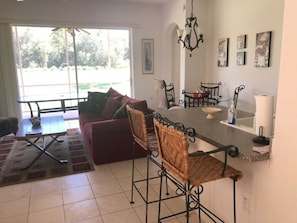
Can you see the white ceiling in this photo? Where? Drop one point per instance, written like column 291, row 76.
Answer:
column 144, row 1
column 136, row 1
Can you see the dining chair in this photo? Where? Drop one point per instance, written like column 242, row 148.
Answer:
column 213, row 90
column 194, row 99
column 188, row 171
column 144, row 136
column 166, row 95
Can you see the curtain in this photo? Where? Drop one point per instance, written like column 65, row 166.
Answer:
column 8, row 75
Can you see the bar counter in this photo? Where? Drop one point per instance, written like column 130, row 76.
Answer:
column 215, row 133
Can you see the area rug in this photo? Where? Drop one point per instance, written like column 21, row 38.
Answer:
column 15, row 155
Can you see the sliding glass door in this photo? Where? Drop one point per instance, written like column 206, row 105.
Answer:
column 58, row 61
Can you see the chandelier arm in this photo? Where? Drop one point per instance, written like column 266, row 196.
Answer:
column 191, row 27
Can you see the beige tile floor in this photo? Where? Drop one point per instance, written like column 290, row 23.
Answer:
column 100, row 196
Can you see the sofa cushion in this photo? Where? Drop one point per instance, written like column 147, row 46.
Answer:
column 96, row 101
column 114, row 94
column 122, row 111
column 111, row 106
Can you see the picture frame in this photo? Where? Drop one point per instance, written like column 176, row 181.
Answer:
column 262, row 51
column 240, row 58
column 241, row 41
column 223, row 51
column 147, row 56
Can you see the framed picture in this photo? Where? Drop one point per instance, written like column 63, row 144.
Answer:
column 147, row 56
column 241, row 42
column 240, row 58
column 223, row 48
column 262, row 52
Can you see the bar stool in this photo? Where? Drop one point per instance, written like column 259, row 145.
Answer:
column 145, row 138
column 189, row 171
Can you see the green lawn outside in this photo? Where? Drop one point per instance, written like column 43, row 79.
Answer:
column 41, row 83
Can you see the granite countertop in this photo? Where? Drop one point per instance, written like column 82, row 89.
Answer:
column 215, row 133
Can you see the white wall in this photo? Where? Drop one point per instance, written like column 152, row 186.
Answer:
column 230, row 18
column 284, row 151
column 144, row 19
column 171, row 72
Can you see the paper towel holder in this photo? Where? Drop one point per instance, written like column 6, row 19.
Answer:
column 261, row 139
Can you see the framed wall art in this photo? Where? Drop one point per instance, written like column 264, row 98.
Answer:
column 262, row 52
column 147, row 56
column 223, row 48
column 241, row 42
column 240, row 58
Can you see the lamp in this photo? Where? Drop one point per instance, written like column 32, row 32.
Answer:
column 193, row 35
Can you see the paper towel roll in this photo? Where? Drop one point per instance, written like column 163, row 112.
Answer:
column 264, row 114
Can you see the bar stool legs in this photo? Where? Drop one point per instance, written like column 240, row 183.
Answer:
column 145, row 197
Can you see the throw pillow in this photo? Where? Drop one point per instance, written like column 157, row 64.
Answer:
column 111, row 106
column 140, row 105
column 114, row 94
column 122, row 111
column 97, row 101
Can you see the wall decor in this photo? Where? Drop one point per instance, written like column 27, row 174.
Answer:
column 262, row 53
column 223, row 48
column 240, row 58
column 147, row 56
column 241, row 42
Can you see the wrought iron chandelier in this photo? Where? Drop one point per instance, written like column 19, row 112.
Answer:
column 193, row 35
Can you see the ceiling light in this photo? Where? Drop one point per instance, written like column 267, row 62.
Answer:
column 193, row 35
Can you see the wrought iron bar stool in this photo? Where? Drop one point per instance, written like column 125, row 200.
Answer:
column 189, row 171
column 144, row 137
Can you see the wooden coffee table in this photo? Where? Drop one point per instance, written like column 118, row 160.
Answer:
column 50, row 127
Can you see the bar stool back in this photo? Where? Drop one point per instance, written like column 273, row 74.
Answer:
column 145, row 137
column 189, row 171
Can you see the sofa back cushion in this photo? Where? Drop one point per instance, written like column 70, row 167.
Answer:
column 111, row 106
column 96, row 101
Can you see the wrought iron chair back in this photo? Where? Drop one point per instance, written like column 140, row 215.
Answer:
column 193, row 99
column 166, row 94
column 213, row 90
column 145, row 137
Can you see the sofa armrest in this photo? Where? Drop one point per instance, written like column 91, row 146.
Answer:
column 110, row 127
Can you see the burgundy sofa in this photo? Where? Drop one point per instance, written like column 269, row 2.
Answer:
column 105, row 126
